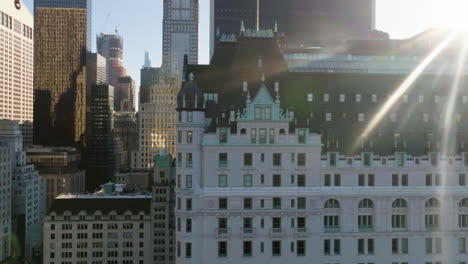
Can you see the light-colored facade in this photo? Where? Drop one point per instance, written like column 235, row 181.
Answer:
column 164, row 204
column 157, row 119
column 263, row 193
column 16, row 70
column 59, row 169
column 99, row 228
column 180, row 33
column 27, row 194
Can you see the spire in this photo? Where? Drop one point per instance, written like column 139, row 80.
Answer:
column 147, row 60
column 263, row 78
column 248, row 97
column 242, row 28
column 276, row 27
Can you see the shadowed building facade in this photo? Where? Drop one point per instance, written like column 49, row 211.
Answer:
column 62, row 38
column 308, row 22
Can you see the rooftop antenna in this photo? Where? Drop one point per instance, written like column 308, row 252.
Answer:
column 117, row 29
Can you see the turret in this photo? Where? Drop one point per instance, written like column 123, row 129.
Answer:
column 190, row 131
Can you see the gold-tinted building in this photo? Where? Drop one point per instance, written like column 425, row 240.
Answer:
column 62, row 38
column 157, row 119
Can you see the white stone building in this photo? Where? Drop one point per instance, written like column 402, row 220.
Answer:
column 16, row 65
column 258, row 190
column 106, row 228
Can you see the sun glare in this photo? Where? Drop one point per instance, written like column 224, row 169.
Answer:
column 450, row 14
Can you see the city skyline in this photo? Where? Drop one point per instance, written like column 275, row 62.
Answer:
column 107, row 16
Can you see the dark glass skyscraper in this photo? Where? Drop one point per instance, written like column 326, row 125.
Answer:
column 62, row 39
column 308, row 22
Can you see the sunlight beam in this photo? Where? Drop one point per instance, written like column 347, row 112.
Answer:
column 403, row 88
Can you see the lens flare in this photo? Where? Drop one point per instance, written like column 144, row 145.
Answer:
column 403, row 88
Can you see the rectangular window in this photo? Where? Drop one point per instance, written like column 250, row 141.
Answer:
column 247, row 180
column 179, row 136
column 188, row 181
column 428, row 245
column 301, row 203
column 222, row 249
column 189, row 137
column 331, row 223
column 222, row 203
column 310, row 97
column 222, row 159
column 276, row 202
column 428, row 179
column 247, row 248
column 301, row 180
column 277, row 159
column 301, row 136
column 222, row 180
column 188, row 159
column 223, row 136
column 328, row 117
column 326, row 98
column 404, row 179
column 371, row 180
column 248, row 162
column 276, row 248
column 276, row 180
column 258, row 113
column 398, row 221
column 253, row 136
column 301, row 159
column 262, row 137
column 342, row 98
column 301, row 248
column 189, row 117
column 395, row 180
column 247, row 203
column 271, row 136
column 188, row 204
column 188, row 250
column 365, row 223
column 362, row 180
column 327, row 180
column 462, row 180
column 358, row 98
column 267, row 113
column 432, row 221
column 337, row 178
column 188, row 225
column 462, row 245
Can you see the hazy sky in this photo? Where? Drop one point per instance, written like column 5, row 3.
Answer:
column 140, row 24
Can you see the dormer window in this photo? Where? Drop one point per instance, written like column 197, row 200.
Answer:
column 267, row 113
column 245, row 86
column 223, row 136
column 258, row 113
column 301, row 136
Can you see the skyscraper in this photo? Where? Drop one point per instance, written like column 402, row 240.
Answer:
column 62, row 41
column 180, row 33
column 101, row 156
column 125, row 99
column 16, row 90
column 308, row 22
column 110, row 46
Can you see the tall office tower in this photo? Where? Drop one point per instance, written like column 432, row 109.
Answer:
column 164, row 204
column 6, row 172
column 147, row 77
column 27, row 195
column 304, row 22
column 62, row 39
column 126, row 130
column 157, row 119
column 180, row 33
column 125, row 90
column 112, row 226
column 100, row 163
column 96, row 70
column 16, row 89
column 147, row 60
column 59, row 169
column 111, row 47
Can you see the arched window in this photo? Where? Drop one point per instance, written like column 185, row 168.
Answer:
column 463, row 203
column 366, row 203
column 282, row 132
column 399, row 203
column 432, row 203
column 243, row 131
column 332, row 203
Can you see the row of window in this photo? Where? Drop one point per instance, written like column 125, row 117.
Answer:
column 358, row 98
column 399, row 246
